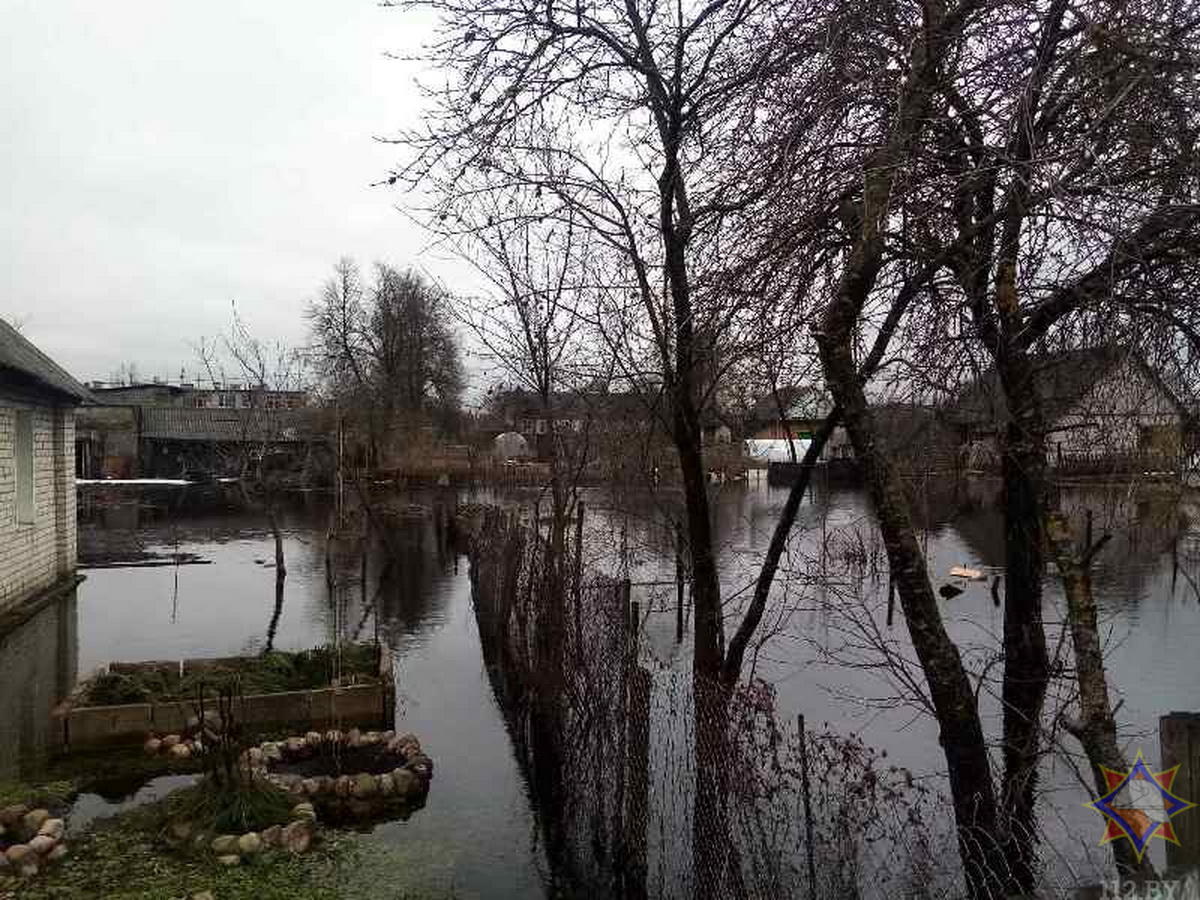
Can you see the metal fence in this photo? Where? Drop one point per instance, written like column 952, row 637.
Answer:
column 645, row 789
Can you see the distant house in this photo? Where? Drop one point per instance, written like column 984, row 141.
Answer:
column 168, row 430
column 1104, row 407
column 37, row 473
column 796, row 412
column 916, row 437
column 186, row 443
column 221, row 396
column 596, row 417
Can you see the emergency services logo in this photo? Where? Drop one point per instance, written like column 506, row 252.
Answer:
column 1139, row 805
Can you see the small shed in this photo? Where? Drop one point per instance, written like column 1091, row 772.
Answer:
column 511, row 445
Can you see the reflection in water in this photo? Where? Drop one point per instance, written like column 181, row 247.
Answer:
column 38, row 664
column 107, row 798
column 561, row 658
column 480, row 834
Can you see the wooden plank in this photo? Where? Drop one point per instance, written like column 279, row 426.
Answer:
column 99, row 726
column 275, row 709
column 1179, row 744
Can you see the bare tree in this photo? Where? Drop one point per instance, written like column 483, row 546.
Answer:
column 974, row 177
column 265, row 369
column 602, row 116
column 386, row 351
column 530, row 329
column 1010, row 164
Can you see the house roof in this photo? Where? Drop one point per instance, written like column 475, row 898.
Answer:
column 22, row 362
column 230, row 425
column 800, row 403
column 116, row 392
column 1061, row 380
column 916, row 434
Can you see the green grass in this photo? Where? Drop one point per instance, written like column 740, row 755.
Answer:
column 49, row 795
column 250, row 807
column 126, row 864
column 123, row 859
column 266, row 674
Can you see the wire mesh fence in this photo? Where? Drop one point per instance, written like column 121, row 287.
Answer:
column 647, row 787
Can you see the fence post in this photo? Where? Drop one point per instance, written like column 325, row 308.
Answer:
column 808, row 822
column 1179, row 745
column 637, row 797
column 678, row 583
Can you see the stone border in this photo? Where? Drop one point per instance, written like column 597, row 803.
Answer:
column 173, row 745
column 296, row 837
column 408, row 782
column 40, row 840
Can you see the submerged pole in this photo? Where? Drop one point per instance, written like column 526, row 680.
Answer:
column 808, row 822
column 678, row 583
column 577, row 577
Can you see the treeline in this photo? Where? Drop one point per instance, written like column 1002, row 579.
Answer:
column 386, row 355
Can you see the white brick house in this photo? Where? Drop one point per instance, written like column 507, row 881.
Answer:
column 37, row 473
column 1103, row 406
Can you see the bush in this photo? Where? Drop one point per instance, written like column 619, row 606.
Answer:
column 270, row 673
column 249, row 805
column 114, row 690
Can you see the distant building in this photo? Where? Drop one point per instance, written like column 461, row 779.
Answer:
column 198, row 443
column 37, row 473
column 179, row 430
column 1105, row 408
column 917, row 438
column 796, row 412
column 573, row 417
column 228, row 396
column 612, row 423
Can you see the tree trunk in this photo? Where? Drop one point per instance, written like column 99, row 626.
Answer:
column 713, row 860
column 276, row 613
column 708, row 625
column 277, row 534
column 766, row 576
column 1096, row 729
column 950, row 689
column 1026, row 662
column 554, row 595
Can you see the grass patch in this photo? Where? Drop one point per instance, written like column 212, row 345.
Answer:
column 123, row 859
column 120, row 863
column 252, row 806
column 269, row 673
column 51, row 795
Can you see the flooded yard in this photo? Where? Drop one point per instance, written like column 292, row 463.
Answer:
column 482, row 833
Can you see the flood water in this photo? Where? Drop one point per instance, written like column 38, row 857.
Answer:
column 474, row 840
column 478, row 835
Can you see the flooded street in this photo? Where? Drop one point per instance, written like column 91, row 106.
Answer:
column 480, row 834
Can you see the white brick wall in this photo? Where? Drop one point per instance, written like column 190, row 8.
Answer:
column 35, row 555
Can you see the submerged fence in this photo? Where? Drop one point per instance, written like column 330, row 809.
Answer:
column 559, row 651
column 643, row 789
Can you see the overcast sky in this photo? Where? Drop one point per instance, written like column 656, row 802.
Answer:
column 163, row 160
